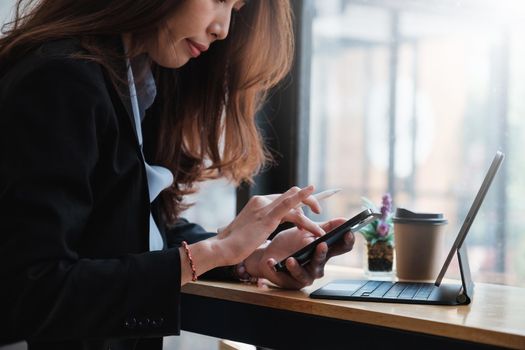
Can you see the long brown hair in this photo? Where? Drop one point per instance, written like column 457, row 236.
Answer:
column 206, row 108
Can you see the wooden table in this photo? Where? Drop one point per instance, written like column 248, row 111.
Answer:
column 284, row 319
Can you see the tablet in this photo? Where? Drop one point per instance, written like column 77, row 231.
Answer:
column 304, row 255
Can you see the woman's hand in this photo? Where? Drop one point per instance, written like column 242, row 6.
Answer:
column 261, row 262
column 259, row 218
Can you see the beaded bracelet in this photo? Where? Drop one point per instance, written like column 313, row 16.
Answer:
column 190, row 258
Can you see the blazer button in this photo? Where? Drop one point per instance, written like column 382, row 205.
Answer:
column 130, row 323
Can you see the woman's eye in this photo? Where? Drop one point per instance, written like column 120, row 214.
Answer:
column 238, row 4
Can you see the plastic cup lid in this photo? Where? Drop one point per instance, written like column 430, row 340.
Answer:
column 403, row 216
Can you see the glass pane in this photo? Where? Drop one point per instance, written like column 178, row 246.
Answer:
column 5, row 7
column 214, row 205
column 414, row 98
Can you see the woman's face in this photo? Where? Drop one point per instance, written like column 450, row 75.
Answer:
column 190, row 31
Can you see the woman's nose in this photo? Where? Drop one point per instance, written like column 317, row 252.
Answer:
column 220, row 27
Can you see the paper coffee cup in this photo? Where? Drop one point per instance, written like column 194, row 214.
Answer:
column 418, row 240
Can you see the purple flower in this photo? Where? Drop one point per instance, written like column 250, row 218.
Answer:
column 387, row 202
column 382, row 229
column 386, row 207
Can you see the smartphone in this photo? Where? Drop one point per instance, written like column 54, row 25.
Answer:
column 304, row 255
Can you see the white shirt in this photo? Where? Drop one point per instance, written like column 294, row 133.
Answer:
column 158, row 177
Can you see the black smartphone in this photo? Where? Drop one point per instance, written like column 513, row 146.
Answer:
column 304, row 255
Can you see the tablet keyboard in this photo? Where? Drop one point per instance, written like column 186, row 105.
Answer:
column 395, row 290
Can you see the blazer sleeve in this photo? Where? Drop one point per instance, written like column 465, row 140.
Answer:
column 183, row 230
column 50, row 121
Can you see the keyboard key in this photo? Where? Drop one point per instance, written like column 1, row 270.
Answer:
column 394, row 292
column 368, row 288
column 425, row 291
column 383, row 288
column 409, row 291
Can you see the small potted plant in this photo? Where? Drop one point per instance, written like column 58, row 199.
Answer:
column 379, row 236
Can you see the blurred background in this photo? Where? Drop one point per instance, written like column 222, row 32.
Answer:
column 414, row 98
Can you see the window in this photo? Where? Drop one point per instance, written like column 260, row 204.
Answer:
column 214, row 205
column 5, row 8
column 414, row 98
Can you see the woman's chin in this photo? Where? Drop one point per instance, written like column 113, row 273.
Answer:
column 171, row 63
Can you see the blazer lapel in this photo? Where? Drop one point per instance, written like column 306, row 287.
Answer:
column 122, row 88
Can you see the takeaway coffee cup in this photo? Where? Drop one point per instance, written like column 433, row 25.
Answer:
column 418, row 240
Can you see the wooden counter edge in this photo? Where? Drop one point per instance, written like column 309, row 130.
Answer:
column 249, row 294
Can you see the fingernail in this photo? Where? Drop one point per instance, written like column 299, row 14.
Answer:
column 271, row 264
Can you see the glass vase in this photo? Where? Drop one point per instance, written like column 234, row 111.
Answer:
column 379, row 260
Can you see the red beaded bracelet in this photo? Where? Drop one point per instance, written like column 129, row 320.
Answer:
column 190, row 258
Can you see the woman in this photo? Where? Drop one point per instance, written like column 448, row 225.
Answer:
column 110, row 113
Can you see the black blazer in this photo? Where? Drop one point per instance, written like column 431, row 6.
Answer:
column 74, row 213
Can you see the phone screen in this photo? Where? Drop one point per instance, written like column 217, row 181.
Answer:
column 304, row 255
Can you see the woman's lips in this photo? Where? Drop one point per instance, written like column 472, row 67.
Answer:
column 195, row 48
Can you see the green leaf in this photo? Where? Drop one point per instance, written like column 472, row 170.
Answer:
column 370, row 228
column 367, row 235
column 369, row 204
